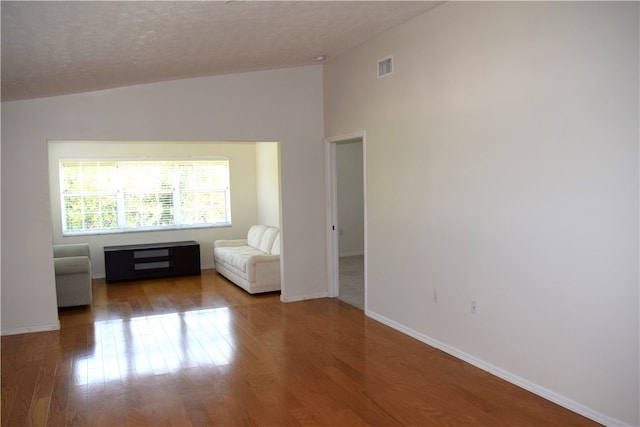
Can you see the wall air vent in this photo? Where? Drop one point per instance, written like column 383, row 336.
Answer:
column 385, row 66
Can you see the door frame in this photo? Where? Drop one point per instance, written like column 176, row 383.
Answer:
column 332, row 209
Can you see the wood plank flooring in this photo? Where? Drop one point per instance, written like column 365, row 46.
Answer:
column 198, row 351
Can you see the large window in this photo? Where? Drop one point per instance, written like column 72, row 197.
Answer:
column 117, row 196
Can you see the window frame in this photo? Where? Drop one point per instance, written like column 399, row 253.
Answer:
column 121, row 195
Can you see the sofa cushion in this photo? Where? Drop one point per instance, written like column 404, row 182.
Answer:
column 72, row 265
column 268, row 238
column 237, row 256
column 275, row 248
column 254, row 236
column 71, row 249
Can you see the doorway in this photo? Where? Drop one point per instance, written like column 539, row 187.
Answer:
column 347, row 197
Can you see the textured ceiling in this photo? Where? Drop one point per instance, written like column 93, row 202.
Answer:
column 61, row 47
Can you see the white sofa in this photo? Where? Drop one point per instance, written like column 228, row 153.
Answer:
column 252, row 263
column 72, row 264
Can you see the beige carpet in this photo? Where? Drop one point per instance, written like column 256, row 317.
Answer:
column 351, row 272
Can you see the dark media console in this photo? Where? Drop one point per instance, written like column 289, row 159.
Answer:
column 149, row 261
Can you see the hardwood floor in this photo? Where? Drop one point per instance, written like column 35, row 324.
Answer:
column 198, row 351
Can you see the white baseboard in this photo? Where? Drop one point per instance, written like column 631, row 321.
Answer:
column 501, row 373
column 303, row 297
column 31, row 329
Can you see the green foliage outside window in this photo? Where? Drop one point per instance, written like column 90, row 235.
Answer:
column 111, row 196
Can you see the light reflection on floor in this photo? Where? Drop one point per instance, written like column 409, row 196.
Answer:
column 159, row 344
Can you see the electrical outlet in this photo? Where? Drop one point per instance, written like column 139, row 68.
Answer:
column 474, row 307
column 435, row 295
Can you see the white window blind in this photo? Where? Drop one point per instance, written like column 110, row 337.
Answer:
column 112, row 196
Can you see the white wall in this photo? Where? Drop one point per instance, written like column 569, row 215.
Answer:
column 350, row 198
column 280, row 105
column 242, row 176
column 268, row 183
column 502, row 167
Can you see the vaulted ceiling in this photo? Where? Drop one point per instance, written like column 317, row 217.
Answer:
column 61, row 47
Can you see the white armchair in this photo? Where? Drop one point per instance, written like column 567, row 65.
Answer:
column 72, row 264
